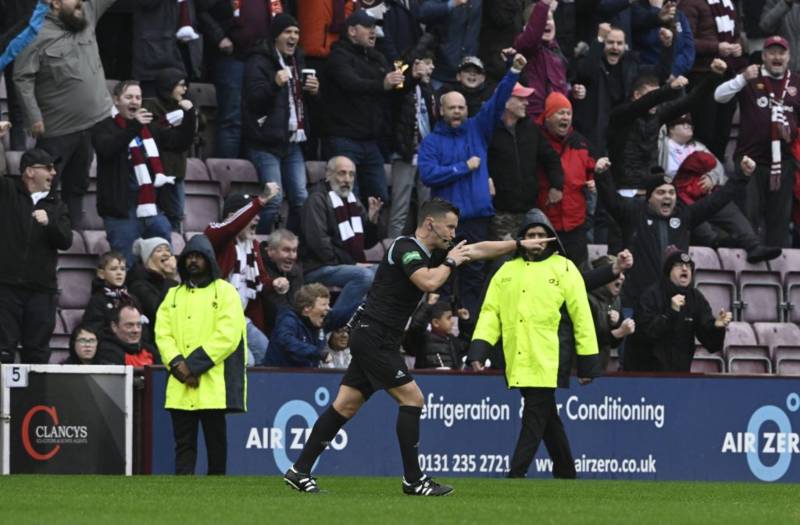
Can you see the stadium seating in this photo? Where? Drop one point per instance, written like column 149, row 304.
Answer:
column 596, row 250
column 78, row 245
column 90, row 220
column 96, row 241
column 315, row 171
column 705, row 362
column 200, row 210
column 783, row 341
column 704, row 258
column 234, row 175
column 74, row 286
column 760, row 291
column 12, row 161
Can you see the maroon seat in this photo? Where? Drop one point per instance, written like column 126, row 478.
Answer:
column 787, row 360
column 774, row 335
column 788, row 261
column 71, row 318
column 748, row 353
column 597, row 250
column 96, row 241
column 202, row 95
column 704, row 258
column 77, row 260
column 750, row 366
column 59, row 327
column 177, row 243
column 196, row 170
column 90, row 220
column 705, row 362
column 74, row 286
column 78, row 245
column 200, row 211
column 188, row 235
column 760, row 291
column 315, row 171
column 791, row 284
column 719, row 288
column 375, row 254
column 234, row 175
column 760, row 296
column 12, row 161
column 739, row 333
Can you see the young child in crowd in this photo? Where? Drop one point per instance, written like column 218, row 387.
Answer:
column 108, row 290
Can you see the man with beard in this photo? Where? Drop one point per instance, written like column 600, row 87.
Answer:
column 649, row 226
column 201, row 336
column 62, row 88
column 769, row 102
column 335, row 231
column 121, row 343
column 669, row 315
column 239, row 258
column 536, row 286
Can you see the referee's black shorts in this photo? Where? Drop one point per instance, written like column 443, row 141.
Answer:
column 377, row 363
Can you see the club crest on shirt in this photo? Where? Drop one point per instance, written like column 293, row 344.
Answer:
column 411, row 256
column 791, row 91
column 675, row 223
column 762, row 102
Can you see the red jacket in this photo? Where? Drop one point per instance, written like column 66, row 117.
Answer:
column 578, row 166
column 316, row 18
column 223, row 238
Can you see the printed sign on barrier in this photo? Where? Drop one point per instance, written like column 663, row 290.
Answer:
column 66, row 419
column 619, row 428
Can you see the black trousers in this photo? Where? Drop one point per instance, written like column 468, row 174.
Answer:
column 72, row 171
column 540, row 421
column 770, row 212
column 184, row 426
column 576, row 244
column 730, row 220
column 27, row 318
column 712, row 121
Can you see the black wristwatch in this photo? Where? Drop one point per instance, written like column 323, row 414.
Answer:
column 450, row 263
column 519, row 244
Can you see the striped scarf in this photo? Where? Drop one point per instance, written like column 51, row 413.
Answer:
column 246, row 275
column 145, row 161
column 779, row 125
column 351, row 231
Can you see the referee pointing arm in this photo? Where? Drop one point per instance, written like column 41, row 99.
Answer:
column 412, row 266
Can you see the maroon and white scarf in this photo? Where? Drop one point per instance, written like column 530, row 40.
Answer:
column 351, row 230
column 779, row 125
column 245, row 276
column 724, row 14
column 296, row 110
column 186, row 32
column 146, row 164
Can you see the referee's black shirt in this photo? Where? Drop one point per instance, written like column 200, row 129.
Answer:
column 393, row 297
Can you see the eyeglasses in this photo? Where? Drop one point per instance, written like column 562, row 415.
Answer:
column 48, row 167
column 86, row 341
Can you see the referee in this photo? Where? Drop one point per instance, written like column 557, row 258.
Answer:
column 411, row 267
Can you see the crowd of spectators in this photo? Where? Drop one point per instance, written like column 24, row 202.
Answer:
column 614, row 119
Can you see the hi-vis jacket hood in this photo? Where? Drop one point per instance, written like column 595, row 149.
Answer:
column 199, row 244
column 536, row 217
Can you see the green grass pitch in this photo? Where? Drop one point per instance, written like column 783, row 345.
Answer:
column 145, row 500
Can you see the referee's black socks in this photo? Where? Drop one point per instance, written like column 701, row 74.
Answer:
column 322, row 434
column 408, row 436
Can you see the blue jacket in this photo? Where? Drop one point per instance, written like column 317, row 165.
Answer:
column 443, row 156
column 293, row 343
column 648, row 45
column 457, row 31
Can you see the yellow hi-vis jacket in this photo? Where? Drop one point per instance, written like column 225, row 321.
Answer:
column 205, row 327
column 523, row 306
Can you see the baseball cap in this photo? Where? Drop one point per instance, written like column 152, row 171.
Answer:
column 521, row 91
column 35, row 156
column 776, row 41
column 361, row 18
column 471, row 61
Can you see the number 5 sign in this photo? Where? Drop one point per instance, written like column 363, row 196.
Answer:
column 16, row 376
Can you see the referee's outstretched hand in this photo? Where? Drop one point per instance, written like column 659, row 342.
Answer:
column 459, row 253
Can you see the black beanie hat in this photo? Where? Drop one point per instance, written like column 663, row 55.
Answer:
column 674, row 255
column 280, row 23
column 651, row 182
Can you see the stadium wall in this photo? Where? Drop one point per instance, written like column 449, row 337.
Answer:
column 665, row 428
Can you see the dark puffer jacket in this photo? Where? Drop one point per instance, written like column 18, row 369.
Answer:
column 265, row 105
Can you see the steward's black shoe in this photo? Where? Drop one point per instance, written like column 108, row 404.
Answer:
column 301, row 482
column 426, row 487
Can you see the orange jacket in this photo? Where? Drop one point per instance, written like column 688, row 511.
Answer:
column 315, row 18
